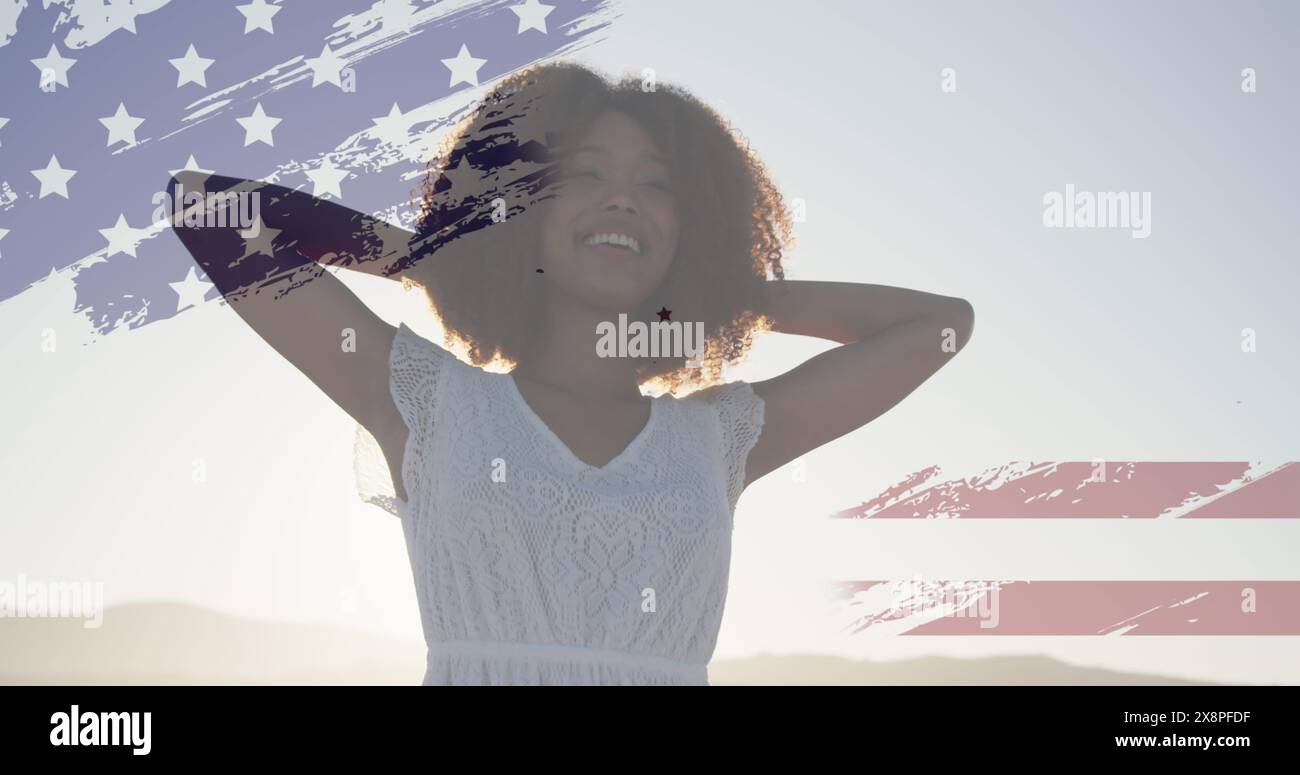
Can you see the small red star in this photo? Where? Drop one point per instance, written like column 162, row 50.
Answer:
column 664, row 312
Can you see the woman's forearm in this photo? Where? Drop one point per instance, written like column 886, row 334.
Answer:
column 851, row 312
column 286, row 230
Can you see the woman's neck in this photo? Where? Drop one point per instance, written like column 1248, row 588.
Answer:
column 563, row 356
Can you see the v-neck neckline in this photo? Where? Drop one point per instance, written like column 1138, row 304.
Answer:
column 553, row 438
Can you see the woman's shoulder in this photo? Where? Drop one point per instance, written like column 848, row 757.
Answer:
column 722, row 392
column 736, row 413
column 733, row 404
column 411, row 347
column 406, row 337
column 421, row 372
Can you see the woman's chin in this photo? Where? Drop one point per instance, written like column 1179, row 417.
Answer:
column 609, row 294
column 601, row 286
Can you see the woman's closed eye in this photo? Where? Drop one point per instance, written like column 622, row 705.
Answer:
column 657, row 183
column 593, row 174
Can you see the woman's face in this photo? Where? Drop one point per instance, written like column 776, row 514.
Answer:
column 610, row 233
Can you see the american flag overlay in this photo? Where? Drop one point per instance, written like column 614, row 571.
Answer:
column 1095, row 489
column 107, row 101
column 104, row 101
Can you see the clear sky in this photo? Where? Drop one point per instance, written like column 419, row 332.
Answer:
column 1088, row 343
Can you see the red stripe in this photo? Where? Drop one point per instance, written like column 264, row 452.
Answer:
column 1079, row 490
column 1071, row 607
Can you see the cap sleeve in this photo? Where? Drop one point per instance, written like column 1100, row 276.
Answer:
column 416, row 369
column 740, row 421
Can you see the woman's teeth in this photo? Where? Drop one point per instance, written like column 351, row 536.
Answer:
column 621, row 240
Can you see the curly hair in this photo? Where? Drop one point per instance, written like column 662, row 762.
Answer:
column 477, row 235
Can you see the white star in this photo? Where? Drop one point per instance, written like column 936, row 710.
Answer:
column 192, row 166
column 190, row 179
column 462, row 177
column 258, row 238
column 529, row 128
column 54, row 179
column 121, row 237
column 397, row 16
column 326, row 179
column 191, row 290
column 55, row 62
column 392, row 128
column 257, row 15
column 191, row 68
column 326, row 67
column 121, row 125
column 258, row 126
column 464, row 68
column 532, row 15
column 120, row 14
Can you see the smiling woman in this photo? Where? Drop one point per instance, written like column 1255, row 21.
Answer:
column 637, row 199
column 562, row 525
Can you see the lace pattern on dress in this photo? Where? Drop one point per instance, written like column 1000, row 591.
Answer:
column 415, row 367
column 554, row 572
column 740, row 414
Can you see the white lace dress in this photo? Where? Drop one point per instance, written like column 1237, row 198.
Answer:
column 533, row 567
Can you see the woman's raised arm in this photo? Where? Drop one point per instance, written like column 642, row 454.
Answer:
column 891, row 340
column 266, row 267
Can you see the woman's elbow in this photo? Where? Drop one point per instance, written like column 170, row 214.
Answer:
column 959, row 316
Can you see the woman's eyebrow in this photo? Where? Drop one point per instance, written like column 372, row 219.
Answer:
column 647, row 155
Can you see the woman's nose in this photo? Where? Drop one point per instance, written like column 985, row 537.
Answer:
column 620, row 198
